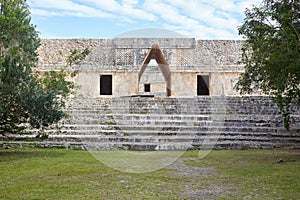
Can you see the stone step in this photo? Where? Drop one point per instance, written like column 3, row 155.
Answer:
column 225, row 118
column 130, row 129
column 170, row 134
column 140, row 123
column 160, row 140
column 151, row 126
column 194, row 121
column 190, row 116
column 145, row 134
column 152, row 146
column 238, row 99
column 226, row 100
column 144, row 117
column 166, row 124
column 101, row 121
column 190, row 110
column 168, row 139
column 140, row 115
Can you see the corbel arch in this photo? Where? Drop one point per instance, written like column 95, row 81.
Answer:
column 156, row 53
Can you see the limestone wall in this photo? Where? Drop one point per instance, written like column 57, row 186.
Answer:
column 123, row 83
column 218, row 55
column 123, row 58
column 184, row 84
column 53, row 52
column 222, row 83
column 107, row 54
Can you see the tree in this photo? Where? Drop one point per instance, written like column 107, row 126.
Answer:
column 26, row 97
column 50, row 92
column 18, row 44
column 271, row 53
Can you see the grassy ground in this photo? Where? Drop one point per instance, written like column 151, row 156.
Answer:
column 256, row 174
column 68, row 174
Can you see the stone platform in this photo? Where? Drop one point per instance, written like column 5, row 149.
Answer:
column 150, row 123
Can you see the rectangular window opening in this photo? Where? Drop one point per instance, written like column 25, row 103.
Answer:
column 147, row 88
column 106, row 85
column 202, row 85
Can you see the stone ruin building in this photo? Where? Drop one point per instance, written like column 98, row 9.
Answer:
column 173, row 67
column 162, row 94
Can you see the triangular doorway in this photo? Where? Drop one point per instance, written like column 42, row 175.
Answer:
column 156, row 54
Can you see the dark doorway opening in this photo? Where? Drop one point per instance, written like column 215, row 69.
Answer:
column 147, row 88
column 106, row 85
column 202, row 85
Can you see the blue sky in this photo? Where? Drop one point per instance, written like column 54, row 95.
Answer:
column 200, row 19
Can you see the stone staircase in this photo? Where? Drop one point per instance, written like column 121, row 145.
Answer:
column 151, row 123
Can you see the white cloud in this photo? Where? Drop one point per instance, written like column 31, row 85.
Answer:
column 203, row 19
column 207, row 14
column 126, row 9
column 199, row 23
column 95, row 8
column 130, row 2
column 65, row 7
column 110, row 5
column 42, row 12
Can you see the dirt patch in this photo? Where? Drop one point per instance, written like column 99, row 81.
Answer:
column 198, row 186
column 188, row 171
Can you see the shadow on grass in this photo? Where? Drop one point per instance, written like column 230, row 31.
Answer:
column 18, row 154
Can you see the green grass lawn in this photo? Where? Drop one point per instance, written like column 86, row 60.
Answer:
column 71, row 174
